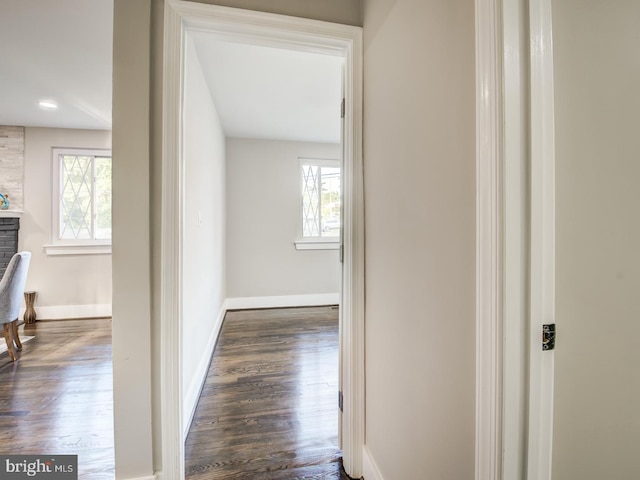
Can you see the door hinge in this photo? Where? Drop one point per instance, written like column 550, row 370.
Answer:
column 340, row 400
column 342, row 109
column 549, row 336
column 341, row 253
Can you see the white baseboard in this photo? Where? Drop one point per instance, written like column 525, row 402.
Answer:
column 151, row 477
column 63, row 312
column 192, row 395
column 241, row 303
column 369, row 467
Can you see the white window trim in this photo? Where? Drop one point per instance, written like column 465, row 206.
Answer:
column 316, row 243
column 64, row 249
column 322, row 244
column 59, row 246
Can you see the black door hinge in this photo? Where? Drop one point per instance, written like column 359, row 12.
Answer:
column 549, row 336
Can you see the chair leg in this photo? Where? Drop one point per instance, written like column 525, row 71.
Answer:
column 16, row 337
column 7, row 338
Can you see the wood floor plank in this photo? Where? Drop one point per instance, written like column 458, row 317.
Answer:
column 58, row 397
column 268, row 408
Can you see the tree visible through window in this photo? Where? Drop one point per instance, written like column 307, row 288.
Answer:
column 320, row 198
column 84, row 208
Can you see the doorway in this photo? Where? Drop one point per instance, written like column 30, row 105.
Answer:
column 284, row 32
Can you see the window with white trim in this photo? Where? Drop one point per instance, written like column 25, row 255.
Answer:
column 81, row 201
column 321, row 197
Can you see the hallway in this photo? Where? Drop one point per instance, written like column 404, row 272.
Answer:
column 268, row 409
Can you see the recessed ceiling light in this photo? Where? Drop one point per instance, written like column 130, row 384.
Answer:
column 48, row 105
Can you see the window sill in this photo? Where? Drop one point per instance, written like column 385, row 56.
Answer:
column 63, row 249
column 317, row 244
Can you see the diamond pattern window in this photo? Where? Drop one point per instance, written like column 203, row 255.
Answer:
column 83, row 197
column 320, row 199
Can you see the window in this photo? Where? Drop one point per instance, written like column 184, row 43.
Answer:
column 321, row 195
column 81, row 202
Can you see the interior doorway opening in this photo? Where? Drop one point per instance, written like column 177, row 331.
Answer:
column 262, row 143
column 289, row 33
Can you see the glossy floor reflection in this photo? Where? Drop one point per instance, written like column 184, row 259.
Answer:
column 58, row 397
column 268, row 409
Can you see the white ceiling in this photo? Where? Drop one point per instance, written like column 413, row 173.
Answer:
column 60, row 50
column 56, row 50
column 265, row 92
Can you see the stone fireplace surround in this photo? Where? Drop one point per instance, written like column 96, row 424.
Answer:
column 9, row 227
column 11, row 185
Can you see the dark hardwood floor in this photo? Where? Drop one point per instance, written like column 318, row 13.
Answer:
column 58, row 397
column 268, row 409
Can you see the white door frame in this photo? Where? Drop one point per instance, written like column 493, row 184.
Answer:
column 489, row 218
column 515, row 239
column 286, row 32
column 542, row 243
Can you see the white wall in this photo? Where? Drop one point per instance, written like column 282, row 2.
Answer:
column 132, row 328
column 597, row 383
column 66, row 285
column 419, row 161
column 263, row 221
column 204, row 237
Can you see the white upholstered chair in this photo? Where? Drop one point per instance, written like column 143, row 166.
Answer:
column 11, row 292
